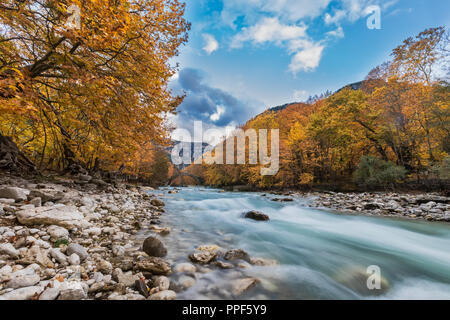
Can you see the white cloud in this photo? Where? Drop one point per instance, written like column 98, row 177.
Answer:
column 306, row 52
column 300, row 95
column 287, row 10
column 211, row 43
column 268, row 30
column 285, row 23
column 336, row 17
column 216, row 116
column 338, row 33
column 307, row 59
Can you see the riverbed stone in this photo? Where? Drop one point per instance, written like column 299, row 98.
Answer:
column 162, row 282
column 262, row 262
column 58, row 233
column 203, row 257
column 37, row 255
column 154, row 265
column 60, row 257
column 242, row 285
column 23, row 281
column 236, row 254
column 74, row 259
column 184, row 267
column 355, row 278
column 61, row 215
column 157, row 203
column 26, row 293
column 72, row 290
column 78, row 249
column 17, row 194
column 164, row 295
column 46, row 195
column 9, row 250
column 49, row 294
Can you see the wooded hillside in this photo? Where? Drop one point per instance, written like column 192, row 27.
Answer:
column 393, row 128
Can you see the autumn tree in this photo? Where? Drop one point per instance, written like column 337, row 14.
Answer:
column 91, row 94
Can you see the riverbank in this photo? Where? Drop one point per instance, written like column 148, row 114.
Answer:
column 429, row 206
column 72, row 238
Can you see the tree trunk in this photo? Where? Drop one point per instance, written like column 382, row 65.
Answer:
column 12, row 158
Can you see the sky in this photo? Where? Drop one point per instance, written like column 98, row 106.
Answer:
column 245, row 56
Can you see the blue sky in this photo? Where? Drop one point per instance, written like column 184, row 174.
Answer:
column 245, row 56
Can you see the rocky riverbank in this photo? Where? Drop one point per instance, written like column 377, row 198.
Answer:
column 430, row 206
column 75, row 237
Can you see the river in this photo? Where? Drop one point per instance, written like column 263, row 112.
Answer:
column 321, row 254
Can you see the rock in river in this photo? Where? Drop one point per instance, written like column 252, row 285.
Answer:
column 157, row 203
column 256, row 215
column 154, row 247
column 242, row 285
column 236, row 254
column 203, row 257
column 154, row 265
column 185, row 267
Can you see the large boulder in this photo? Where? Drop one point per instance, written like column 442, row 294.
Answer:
column 18, row 194
column 64, row 216
column 154, row 247
column 256, row 215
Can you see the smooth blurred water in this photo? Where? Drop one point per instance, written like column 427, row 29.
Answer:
column 322, row 255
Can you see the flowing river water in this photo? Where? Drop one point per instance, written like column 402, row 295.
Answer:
column 321, row 254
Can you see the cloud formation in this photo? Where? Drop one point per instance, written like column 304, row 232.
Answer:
column 213, row 106
column 285, row 23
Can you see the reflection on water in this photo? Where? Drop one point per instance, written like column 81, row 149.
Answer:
column 322, row 255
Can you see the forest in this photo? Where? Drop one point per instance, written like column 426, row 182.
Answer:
column 98, row 97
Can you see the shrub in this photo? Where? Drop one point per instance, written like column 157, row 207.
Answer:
column 443, row 170
column 373, row 172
